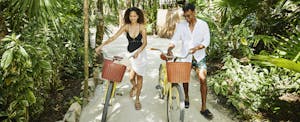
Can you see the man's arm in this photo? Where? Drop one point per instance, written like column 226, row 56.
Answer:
column 206, row 37
column 198, row 47
column 170, row 48
column 206, row 40
column 175, row 38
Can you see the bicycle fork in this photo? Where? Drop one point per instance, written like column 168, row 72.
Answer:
column 113, row 91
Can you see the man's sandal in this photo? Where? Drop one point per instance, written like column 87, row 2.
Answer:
column 187, row 104
column 138, row 106
column 207, row 114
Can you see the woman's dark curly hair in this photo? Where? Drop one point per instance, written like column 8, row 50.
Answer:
column 138, row 11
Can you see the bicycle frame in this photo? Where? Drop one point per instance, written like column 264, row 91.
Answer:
column 113, row 90
column 167, row 87
column 111, row 71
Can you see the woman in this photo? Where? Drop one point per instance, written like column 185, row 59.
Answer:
column 137, row 41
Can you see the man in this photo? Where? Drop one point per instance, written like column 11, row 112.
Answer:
column 195, row 37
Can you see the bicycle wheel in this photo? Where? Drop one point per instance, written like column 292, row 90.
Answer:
column 175, row 104
column 162, row 79
column 107, row 99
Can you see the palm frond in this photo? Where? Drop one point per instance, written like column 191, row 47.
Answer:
column 280, row 62
column 40, row 11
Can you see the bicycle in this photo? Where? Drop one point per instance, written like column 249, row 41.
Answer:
column 113, row 72
column 170, row 75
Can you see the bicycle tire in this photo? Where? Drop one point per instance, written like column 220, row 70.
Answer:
column 107, row 100
column 161, row 79
column 175, row 102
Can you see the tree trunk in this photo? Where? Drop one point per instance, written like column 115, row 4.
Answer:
column 128, row 3
column 3, row 28
column 99, row 38
column 138, row 3
column 100, row 26
column 86, row 53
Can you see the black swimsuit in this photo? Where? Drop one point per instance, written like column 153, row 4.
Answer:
column 134, row 43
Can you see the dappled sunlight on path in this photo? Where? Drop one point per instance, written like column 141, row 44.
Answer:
column 153, row 108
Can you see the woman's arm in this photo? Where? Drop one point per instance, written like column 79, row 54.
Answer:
column 111, row 39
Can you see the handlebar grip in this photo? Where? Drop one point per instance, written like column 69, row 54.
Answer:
column 154, row 48
column 118, row 57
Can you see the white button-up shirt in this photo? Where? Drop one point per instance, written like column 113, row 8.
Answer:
column 185, row 39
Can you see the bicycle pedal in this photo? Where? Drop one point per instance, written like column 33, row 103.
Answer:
column 158, row 87
column 119, row 94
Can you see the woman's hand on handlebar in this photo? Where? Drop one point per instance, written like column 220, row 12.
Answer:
column 98, row 50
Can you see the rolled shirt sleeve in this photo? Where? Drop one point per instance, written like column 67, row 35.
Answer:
column 176, row 35
column 206, row 36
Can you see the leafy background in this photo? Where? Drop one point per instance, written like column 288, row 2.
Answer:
column 253, row 58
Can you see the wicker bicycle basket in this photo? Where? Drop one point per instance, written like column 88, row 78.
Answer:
column 112, row 71
column 178, row 72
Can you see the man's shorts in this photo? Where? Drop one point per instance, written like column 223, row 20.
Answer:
column 200, row 65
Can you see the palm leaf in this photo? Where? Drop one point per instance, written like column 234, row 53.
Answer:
column 40, row 11
column 280, row 62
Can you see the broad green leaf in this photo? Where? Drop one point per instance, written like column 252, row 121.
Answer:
column 28, row 63
column 244, row 41
column 10, row 45
column 30, row 97
column 25, row 103
column 13, row 115
column 217, row 88
column 3, row 113
column 23, row 52
column 7, row 58
column 7, row 38
column 297, row 57
column 281, row 62
column 17, row 37
column 45, row 65
column 12, row 105
column 281, row 52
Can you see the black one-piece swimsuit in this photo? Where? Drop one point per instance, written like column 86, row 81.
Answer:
column 134, row 43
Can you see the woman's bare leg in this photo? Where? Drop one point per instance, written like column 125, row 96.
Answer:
column 133, row 82
column 138, row 92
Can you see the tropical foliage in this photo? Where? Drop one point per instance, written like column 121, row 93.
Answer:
column 267, row 32
column 42, row 46
column 253, row 90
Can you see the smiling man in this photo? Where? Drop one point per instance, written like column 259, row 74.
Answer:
column 195, row 37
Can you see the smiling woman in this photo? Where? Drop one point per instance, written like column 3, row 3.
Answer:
column 135, row 30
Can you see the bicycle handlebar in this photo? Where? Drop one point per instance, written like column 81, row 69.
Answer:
column 171, row 57
column 114, row 58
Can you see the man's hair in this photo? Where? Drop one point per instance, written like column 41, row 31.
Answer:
column 188, row 6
